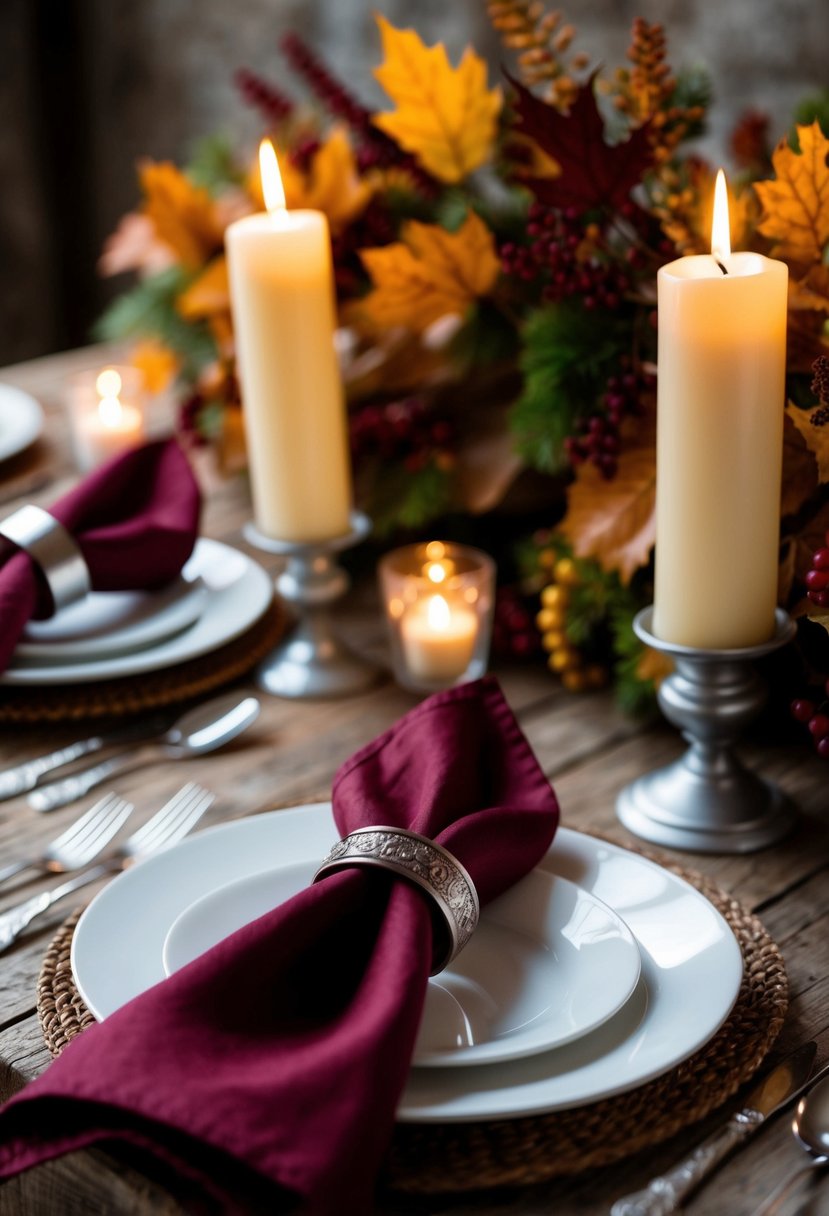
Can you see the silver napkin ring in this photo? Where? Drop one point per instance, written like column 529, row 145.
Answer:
column 52, row 549
column 423, row 862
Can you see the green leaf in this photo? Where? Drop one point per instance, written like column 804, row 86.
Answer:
column 400, row 499
column 212, row 165
column 567, row 357
column 149, row 310
column 485, row 338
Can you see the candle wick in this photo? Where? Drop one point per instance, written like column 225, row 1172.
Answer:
column 721, row 266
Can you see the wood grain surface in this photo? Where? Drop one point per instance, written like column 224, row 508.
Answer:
column 588, row 749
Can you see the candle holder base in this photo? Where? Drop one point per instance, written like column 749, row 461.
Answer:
column 708, row 801
column 313, row 661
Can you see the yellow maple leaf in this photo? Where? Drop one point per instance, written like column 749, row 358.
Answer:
column 183, row 215
column 445, row 116
column 614, row 521
column 796, row 203
column 430, row 274
column 208, row 294
column 817, row 437
column 812, row 291
column 157, row 363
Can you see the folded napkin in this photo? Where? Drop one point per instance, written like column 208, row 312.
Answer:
column 135, row 520
column 268, row 1071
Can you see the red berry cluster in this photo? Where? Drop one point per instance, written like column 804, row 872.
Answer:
column 373, row 228
column 400, row 430
column 815, row 716
column 271, row 104
column 513, row 634
column 817, row 579
column 598, row 438
column 551, row 256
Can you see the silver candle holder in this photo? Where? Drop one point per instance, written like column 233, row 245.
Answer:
column 313, row 661
column 708, row 800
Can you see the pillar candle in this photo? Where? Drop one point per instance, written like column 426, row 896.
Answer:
column 282, row 295
column 721, row 395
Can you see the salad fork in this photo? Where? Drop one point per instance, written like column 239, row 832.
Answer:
column 175, row 819
column 80, row 843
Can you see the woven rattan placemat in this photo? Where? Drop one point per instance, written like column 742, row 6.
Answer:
column 149, row 690
column 432, row 1158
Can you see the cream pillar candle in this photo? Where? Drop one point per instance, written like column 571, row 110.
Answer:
column 282, row 295
column 721, row 395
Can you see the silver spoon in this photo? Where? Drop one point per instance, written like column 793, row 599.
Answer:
column 200, row 730
column 811, row 1128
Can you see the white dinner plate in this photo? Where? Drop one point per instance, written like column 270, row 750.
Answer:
column 21, row 421
column 691, row 963
column 547, row 963
column 107, row 623
column 238, row 592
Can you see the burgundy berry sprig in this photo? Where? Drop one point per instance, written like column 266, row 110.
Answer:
column 274, row 106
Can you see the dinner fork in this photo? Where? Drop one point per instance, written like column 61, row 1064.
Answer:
column 80, row 843
column 175, row 819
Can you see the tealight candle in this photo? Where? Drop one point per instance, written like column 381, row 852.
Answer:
column 106, row 413
column 439, row 601
column 721, row 393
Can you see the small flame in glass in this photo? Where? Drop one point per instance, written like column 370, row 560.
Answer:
column 437, row 614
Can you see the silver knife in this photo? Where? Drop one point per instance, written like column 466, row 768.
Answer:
column 777, row 1089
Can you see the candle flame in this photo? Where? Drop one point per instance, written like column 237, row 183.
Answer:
column 437, row 614
column 108, row 383
column 720, row 227
column 436, row 572
column 272, row 187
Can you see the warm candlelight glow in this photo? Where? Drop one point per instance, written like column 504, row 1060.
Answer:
column 272, row 188
column 436, row 572
column 437, row 614
column 108, row 383
column 720, row 227
column 110, row 411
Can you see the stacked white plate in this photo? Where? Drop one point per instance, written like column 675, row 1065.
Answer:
column 219, row 595
column 597, row 972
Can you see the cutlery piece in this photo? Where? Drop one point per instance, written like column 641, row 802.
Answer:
column 200, row 730
column 25, row 776
column 80, row 843
column 175, row 819
column 811, row 1129
column 778, row 1088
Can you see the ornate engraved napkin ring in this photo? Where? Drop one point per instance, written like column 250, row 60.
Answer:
column 52, row 549
column 423, row 862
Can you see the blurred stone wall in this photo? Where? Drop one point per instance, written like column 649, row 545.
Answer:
column 88, row 87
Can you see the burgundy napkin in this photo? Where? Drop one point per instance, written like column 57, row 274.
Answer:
column 268, row 1071
column 135, row 520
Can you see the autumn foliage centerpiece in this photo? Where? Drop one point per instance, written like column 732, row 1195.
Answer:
column 495, row 251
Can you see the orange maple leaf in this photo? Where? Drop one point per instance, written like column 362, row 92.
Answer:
column 817, row 437
column 445, row 116
column 615, row 521
column 796, row 204
column 430, row 274
column 184, row 216
column 157, row 363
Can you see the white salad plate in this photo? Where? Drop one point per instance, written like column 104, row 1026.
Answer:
column 113, row 623
column 21, row 421
column 547, row 963
column 691, row 963
column 237, row 592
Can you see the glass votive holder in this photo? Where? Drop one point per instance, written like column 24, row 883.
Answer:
column 107, row 413
column 439, row 599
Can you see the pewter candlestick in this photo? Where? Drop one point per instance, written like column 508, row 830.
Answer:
column 708, row 801
column 313, row 661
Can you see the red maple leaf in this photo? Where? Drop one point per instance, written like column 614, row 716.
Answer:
column 593, row 172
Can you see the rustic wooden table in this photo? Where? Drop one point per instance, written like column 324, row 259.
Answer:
column 588, row 749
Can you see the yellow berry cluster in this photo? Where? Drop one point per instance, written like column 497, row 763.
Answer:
column 542, row 41
column 565, row 659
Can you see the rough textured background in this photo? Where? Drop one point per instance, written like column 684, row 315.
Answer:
column 87, row 87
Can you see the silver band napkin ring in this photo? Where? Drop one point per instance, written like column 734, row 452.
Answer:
column 52, row 549
column 423, row 862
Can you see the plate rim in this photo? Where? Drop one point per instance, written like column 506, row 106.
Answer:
column 493, row 1051
column 164, row 654
column 532, row 1099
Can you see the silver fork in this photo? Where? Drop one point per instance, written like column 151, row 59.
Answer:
column 175, row 819
column 80, row 843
